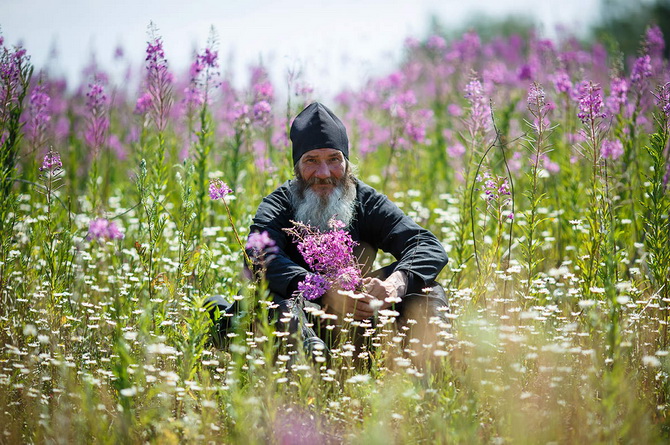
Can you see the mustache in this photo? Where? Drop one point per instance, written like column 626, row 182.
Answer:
column 321, row 181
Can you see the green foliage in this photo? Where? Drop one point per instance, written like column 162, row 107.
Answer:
column 557, row 322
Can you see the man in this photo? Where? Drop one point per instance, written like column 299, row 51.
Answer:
column 325, row 187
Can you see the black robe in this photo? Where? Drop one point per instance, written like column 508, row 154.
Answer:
column 377, row 221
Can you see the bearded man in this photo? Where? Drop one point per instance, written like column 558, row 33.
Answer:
column 325, row 187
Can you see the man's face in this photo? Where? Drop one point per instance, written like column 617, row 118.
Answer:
column 322, row 169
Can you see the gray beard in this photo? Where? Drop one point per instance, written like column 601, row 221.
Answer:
column 312, row 209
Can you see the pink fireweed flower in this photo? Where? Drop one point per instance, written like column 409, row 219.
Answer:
column 456, row 150
column 202, row 71
column 562, row 82
column 474, row 93
column 415, row 127
column 208, row 59
column 536, row 95
column 329, row 255
column 654, row 41
column 39, row 116
column 103, row 229
column 260, row 241
column 663, row 99
column 436, row 43
column 590, row 103
column 497, row 195
column 611, row 149
column 538, row 107
column 618, row 95
column 263, row 91
column 218, row 189
column 51, row 162
column 641, row 69
column 158, row 80
column 259, row 245
column 549, row 165
column 336, row 224
column 262, row 113
column 98, row 122
column 349, row 278
column 13, row 65
column 143, row 104
column 313, row 286
column 454, row 110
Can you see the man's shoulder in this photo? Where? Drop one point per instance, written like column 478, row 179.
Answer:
column 280, row 198
column 283, row 190
column 366, row 192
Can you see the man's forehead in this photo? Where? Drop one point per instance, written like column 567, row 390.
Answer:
column 323, row 152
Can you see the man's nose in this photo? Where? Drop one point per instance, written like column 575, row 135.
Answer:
column 322, row 171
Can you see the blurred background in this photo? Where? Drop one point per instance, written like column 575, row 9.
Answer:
column 335, row 45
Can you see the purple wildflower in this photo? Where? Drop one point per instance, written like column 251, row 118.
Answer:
column 663, row 99
column 562, row 82
column 329, row 255
column 206, row 62
column 618, row 94
column 590, row 103
column 474, row 93
column 456, row 150
column 263, row 91
column 313, row 286
column 436, row 43
column 51, row 162
column 526, row 72
column 98, row 123
column 218, row 189
column 641, row 69
column 454, row 109
column 259, row 244
column 260, row 241
column 143, row 104
column 538, row 107
column 549, row 165
column 415, row 127
column 39, row 116
column 12, row 76
column 262, row 111
column 158, row 81
column 349, row 278
column 611, row 149
column 102, row 228
column 497, row 194
column 654, row 41
column 536, row 95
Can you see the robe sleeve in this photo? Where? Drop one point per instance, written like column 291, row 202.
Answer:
column 274, row 213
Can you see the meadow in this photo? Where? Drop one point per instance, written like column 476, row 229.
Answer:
column 541, row 165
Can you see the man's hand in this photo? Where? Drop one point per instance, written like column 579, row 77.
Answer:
column 343, row 303
column 388, row 291
column 378, row 295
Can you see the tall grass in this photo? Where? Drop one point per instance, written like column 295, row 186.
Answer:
column 555, row 217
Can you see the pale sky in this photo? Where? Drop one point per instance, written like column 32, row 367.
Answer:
column 337, row 43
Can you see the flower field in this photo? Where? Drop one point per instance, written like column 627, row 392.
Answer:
column 541, row 165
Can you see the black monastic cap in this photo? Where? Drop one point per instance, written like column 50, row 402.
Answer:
column 318, row 127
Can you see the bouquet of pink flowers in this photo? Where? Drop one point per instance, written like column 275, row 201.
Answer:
column 330, row 257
